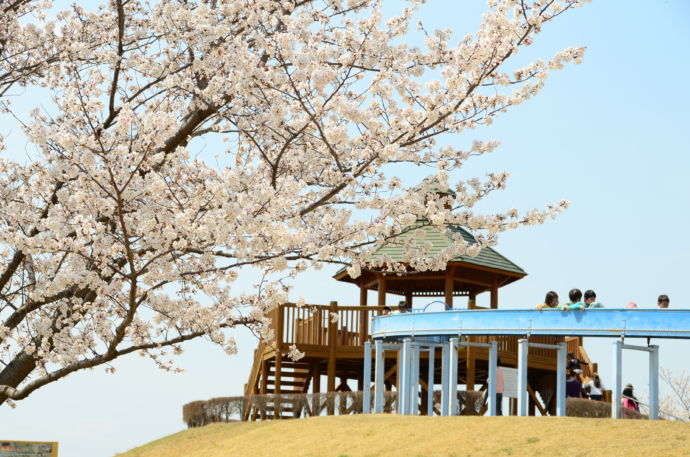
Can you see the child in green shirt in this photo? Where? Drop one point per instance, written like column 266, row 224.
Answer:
column 591, row 299
column 575, row 296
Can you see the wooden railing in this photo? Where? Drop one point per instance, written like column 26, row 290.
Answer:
column 348, row 326
column 250, row 387
column 313, row 324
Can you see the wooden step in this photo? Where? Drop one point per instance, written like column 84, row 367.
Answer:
column 284, row 391
column 289, row 374
column 286, row 383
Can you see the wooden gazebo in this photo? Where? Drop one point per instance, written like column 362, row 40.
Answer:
column 464, row 276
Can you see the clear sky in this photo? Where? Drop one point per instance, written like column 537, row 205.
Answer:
column 611, row 135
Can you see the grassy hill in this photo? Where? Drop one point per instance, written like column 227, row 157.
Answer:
column 414, row 436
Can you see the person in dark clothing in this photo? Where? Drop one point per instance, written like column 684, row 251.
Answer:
column 573, row 386
column 573, row 364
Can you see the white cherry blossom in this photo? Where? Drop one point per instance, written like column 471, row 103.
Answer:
column 184, row 142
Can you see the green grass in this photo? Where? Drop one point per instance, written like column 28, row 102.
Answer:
column 396, row 436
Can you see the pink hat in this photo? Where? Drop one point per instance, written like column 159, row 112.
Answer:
column 631, row 305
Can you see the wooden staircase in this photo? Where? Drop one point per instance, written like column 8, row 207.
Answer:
column 295, row 378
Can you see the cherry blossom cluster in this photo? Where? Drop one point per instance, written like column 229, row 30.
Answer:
column 186, row 142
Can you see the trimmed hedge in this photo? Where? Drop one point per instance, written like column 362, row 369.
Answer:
column 579, row 407
column 230, row 409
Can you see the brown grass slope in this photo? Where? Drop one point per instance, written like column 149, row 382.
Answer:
column 414, row 436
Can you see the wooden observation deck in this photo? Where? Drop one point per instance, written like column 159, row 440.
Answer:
column 332, row 337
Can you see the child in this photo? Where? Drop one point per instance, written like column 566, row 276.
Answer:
column 629, row 400
column 663, row 301
column 551, row 301
column 591, row 300
column 575, row 296
column 596, row 388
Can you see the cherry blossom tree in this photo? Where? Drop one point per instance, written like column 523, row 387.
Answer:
column 676, row 403
column 122, row 234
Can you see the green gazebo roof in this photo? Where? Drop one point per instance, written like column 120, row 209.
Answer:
column 440, row 239
column 488, row 259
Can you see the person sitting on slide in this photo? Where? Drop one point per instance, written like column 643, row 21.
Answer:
column 575, row 296
column 550, row 302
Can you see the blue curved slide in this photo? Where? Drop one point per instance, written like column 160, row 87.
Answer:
column 646, row 323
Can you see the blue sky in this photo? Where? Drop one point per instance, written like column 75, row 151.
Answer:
column 611, row 135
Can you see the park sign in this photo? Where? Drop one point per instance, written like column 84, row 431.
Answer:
column 28, row 449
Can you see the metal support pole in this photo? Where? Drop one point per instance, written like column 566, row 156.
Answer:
column 453, row 377
column 413, row 404
column 366, row 388
column 560, row 378
column 445, row 364
column 430, row 383
column 617, row 379
column 403, row 372
column 493, row 358
column 523, row 349
column 379, row 387
column 654, row 382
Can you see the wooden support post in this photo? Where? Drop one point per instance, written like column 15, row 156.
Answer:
column 277, row 369
column 408, row 300
column 448, row 289
column 315, row 388
column 534, row 403
column 531, row 404
column 332, row 341
column 316, row 377
column 279, row 323
column 277, row 373
column 494, row 295
column 424, row 397
column 382, row 290
column 264, row 377
column 264, row 386
column 470, row 365
column 363, row 316
column 472, row 300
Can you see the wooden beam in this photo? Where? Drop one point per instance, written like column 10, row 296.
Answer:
column 371, row 283
column 264, row 388
column 473, row 281
column 471, row 266
column 392, row 370
column 363, row 316
column 280, row 316
column 470, row 366
column 332, row 341
column 494, row 295
column 277, row 374
column 316, row 386
column 382, row 291
column 450, row 271
column 316, row 377
column 533, row 396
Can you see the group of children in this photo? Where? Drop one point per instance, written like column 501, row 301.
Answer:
column 575, row 295
column 590, row 301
